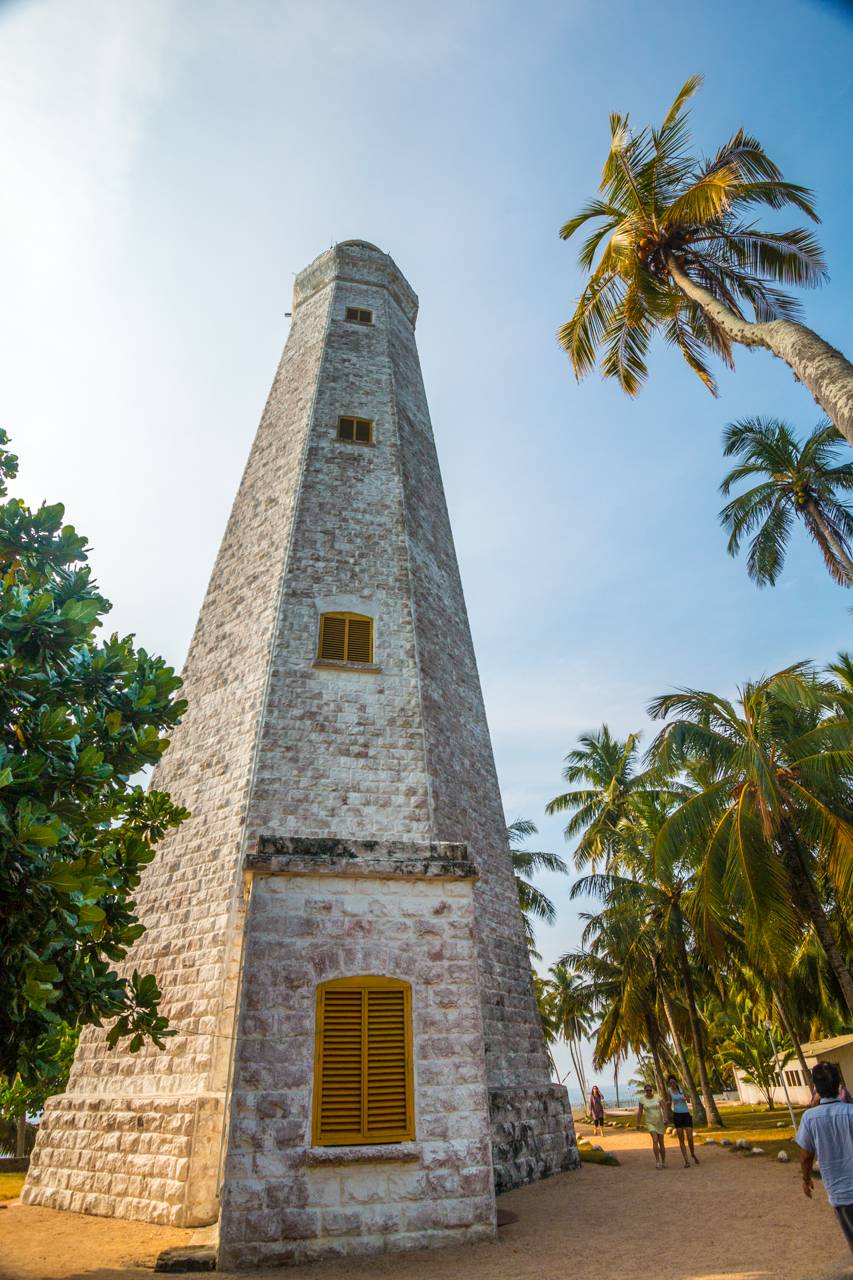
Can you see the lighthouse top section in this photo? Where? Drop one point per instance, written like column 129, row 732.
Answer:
column 358, row 262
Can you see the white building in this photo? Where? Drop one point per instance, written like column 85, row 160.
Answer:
column 838, row 1049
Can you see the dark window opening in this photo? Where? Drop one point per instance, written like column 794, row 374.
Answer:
column 355, row 430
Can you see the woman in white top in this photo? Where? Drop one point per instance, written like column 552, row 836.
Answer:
column 650, row 1116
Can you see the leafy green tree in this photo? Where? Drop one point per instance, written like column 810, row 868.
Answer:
column 676, row 251
column 774, row 817
column 533, row 902
column 55, row 1054
column 789, row 481
column 746, row 1046
column 81, row 716
column 645, row 1073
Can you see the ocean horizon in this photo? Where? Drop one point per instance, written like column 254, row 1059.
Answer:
column 627, row 1097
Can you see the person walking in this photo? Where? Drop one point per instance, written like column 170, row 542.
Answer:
column 826, row 1132
column 650, row 1115
column 682, row 1119
column 596, row 1110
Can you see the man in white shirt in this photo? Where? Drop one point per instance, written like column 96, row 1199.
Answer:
column 826, row 1131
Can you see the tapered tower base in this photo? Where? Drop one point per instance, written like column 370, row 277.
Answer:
column 347, row 835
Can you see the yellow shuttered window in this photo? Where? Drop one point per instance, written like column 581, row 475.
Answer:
column 363, row 1085
column 346, row 637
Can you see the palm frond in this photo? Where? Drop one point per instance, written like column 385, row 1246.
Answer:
column 768, row 549
column 685, row 93
column 594, row 209
column 793, row 257
column 582, row 335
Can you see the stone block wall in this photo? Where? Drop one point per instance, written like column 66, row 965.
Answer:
column 533, row 1135
column 403, row 912
column 125, row 1158
column 190, row 898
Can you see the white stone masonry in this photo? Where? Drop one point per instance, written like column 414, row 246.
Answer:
column 277, row 746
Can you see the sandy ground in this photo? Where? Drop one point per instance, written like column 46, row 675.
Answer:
column 745, row 1219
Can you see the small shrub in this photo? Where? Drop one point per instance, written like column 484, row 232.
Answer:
column 589, row 1155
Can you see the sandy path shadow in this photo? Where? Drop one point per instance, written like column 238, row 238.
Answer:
column 732, row 1218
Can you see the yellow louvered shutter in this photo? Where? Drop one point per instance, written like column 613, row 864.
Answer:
column 333, row 637
column 359, row 638
column 346, row 637
column 341, row 1077
column 386, row 1105
column 363, row 1085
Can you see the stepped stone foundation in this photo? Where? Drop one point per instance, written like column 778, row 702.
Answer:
column 346, row 821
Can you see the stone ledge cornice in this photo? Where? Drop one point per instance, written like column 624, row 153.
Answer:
column 401, row 1152
column 410, row 859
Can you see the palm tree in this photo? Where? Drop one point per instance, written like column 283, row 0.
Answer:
column 681, row 256
column 533, row 902
column 774, row 817
column 542, row 989
column 791, row 480
column 620, row 984
column 617, row 820
column 657, row 899
column 570, row 1012
column 746, row 1046
column 609, row 766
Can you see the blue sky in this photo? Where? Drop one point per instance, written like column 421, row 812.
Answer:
column 168, row 168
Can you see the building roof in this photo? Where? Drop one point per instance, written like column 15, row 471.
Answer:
column 826, row 1046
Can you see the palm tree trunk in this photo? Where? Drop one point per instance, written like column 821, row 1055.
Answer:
column 21, row 1136
column 577, row 1062
column 842, row 568
column 711, row 1109
column 807, row 900
column 653, row 1033
column 825, row 371
column 785, row 1019
column 699, row 1117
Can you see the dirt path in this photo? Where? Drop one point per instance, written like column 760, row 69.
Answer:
column 743, row 1219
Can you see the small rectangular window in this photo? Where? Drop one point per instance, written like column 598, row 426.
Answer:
column 346, row 637
column 359, row 315
column 363, row 1080
column 355, row 430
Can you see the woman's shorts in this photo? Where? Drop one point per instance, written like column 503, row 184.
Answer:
column 682, row 1119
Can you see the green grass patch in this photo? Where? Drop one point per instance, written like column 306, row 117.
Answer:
column 10, row 1185
column 759, row 1127
column 590, row 1156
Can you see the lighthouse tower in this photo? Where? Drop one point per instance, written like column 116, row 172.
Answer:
column 359, row 1061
